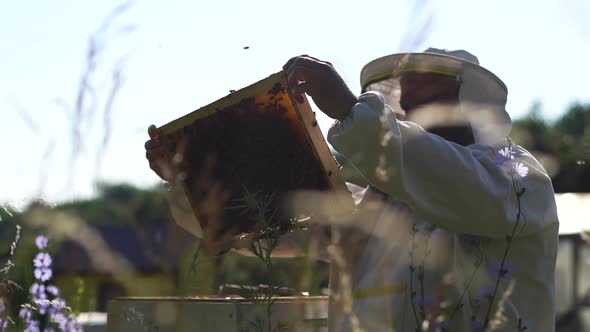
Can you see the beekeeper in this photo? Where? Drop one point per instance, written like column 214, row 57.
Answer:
column 428, row 136
column 460, row 225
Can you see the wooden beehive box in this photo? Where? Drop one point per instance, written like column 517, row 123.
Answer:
column 296, row 314
column 243, row 153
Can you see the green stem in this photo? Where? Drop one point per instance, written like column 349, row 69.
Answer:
column 487, row 317
column 412, row 267
column 468, row 286
column 412, row 298
column 421, row 280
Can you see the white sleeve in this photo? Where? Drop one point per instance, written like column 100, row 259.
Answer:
column 462, row 189
column 181, row 210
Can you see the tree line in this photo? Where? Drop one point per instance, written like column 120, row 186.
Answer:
column 562, row 145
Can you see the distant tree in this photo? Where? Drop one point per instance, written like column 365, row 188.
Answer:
column 565, row 143
column 116, row 192
column 572, row 133
column 574, row 123
column 533, row 132
column 122, row 204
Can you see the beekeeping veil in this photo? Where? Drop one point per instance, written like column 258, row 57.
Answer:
column 482, row 95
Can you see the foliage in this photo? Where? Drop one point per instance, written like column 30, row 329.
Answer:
column 121, row 204
column 562, row 146
column 263, row 245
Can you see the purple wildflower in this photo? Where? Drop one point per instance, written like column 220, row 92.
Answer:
column 54, row 310
column 60, row 319
column 3, row 320
column 41, row 242
column 45, row 300
column 518, row 170
column 26, row 314
column 38, row 292
column 32, row 326
column 58, row 304
column 505, row 158
column 42, row 263
column 73, row 326
column 43, row 274
column 42, row 260
column 503, row 155
column 67, row 323
column 42, row 306
column 53, row 290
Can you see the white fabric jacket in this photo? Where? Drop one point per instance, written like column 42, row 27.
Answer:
column 447, row 256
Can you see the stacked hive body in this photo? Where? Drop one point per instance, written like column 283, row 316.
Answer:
column 244, row 152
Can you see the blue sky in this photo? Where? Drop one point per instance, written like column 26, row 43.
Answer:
column 181, row 55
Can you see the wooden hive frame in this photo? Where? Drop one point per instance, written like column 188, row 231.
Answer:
column 299, row 114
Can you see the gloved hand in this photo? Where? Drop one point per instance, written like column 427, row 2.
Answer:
column 322, row 83
column 168, row 166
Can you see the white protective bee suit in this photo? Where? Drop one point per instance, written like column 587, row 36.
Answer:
column 435, row 248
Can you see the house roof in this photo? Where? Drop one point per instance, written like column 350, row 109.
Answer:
column 143, row 248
